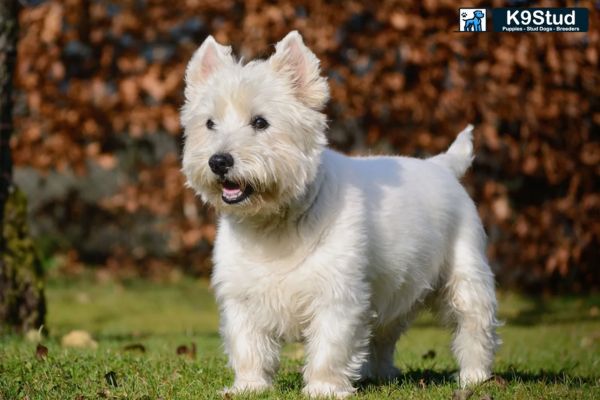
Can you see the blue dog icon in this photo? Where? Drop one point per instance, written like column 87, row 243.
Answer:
column 474, row 24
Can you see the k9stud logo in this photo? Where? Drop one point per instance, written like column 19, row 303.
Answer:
column 540, row 19
column 472, row 20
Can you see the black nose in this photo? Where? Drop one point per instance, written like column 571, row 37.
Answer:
column 220, row 163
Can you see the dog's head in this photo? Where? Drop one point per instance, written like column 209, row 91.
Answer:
column 254, row 132
column 478, row 14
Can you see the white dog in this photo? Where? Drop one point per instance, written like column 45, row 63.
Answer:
column 334, row 251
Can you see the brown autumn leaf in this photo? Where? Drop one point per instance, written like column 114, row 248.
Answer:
column 500, row 381
column 135, row 347
column 430, row 354
column 462, row 394
column 41, row 352
column 184, row 350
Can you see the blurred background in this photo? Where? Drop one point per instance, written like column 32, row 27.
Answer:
column 97, row 141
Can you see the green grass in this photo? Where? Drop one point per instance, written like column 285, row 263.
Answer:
column 551, row 349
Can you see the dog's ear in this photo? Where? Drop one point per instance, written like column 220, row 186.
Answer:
column 209, row 57
column 301, row 67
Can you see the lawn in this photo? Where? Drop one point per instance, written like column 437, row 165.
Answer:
column 551, row 349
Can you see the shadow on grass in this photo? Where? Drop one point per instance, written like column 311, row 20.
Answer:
column 292, row 380
column 429, row 377
column 546, row 377
column 412, row 377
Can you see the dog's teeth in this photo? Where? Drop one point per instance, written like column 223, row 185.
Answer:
column 232, row 193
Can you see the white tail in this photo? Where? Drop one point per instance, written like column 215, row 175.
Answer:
column 459, row 156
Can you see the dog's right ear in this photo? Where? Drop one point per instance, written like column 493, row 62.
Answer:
column 209, row 57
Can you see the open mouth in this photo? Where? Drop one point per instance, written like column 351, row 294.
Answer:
column 234, row 192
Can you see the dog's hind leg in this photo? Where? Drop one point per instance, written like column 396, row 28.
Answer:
column 379, row 365
column 470, row 303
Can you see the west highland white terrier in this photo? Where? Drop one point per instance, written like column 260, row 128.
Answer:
column 337, row 252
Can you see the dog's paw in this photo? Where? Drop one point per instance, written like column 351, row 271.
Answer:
column 327, row 390
column 245, row 387
column 387, row 374
column 472, row 376
column 381, row 374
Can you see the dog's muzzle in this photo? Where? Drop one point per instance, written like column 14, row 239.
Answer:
column 232, row 192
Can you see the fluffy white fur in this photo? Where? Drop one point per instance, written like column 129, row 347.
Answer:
column 337, row 252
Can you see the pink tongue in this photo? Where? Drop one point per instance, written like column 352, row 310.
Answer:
column 231, row 192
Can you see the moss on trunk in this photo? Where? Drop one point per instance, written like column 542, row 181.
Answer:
column 22, row 301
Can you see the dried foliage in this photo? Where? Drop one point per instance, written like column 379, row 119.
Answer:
column 100, row 84
column 41, row 352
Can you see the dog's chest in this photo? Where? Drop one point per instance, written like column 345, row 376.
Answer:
column 275, row 286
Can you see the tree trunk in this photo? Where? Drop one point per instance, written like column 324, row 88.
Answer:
column 22, row 302
column 8, row 57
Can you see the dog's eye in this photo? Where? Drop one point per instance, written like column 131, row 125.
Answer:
column 210, row 124
column 259, row 123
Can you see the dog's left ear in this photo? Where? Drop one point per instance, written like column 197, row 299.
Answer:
column 301, row 66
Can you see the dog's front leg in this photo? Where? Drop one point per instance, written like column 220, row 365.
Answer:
column 336, row 346
column 253, row 352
